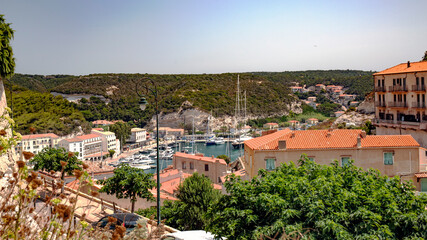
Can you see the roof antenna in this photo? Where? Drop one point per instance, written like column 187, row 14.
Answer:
column 409, row 64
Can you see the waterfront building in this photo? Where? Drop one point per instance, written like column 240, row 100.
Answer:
column 400, row 101
column 109, row 141
column 88, row 147
column 137, row 137
column 34, row 143
column 211, row 167
column 391, row 154
column 165, row 132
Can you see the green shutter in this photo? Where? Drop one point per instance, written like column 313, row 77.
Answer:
column 344, row 161
column 388, row 158
column 269, row 163
column 423, row 184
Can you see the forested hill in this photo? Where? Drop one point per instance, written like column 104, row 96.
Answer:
column 358, row 82
column 267, row 92
column 209, row 92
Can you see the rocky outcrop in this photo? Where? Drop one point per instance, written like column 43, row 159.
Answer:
column 7, row 161
column 367, row 106
column 353, row 118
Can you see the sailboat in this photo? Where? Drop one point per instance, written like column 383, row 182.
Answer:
column 239, row 143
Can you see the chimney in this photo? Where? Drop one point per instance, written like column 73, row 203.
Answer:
column 359, row 142
column 363, row 134
column 292, row 134
column 282, row 144
column 409, row 64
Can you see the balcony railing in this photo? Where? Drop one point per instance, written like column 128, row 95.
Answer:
column 419, row 105
column 397, row 88
column 380, row 89
column 419, row 88
column 397, row 104
column 380, row 104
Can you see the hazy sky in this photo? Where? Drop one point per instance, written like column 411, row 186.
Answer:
column 180, row 36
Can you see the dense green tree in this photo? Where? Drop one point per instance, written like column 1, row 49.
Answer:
column 111, row 153
column 129, row 182
column 195, row 195
column 122, row 131
column 425, row 56
column 330, row 202
column 49, row 159
column 7, row 61
column 225, row 157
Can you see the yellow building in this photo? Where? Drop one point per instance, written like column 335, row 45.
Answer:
column 392, row 155
column 400, row 101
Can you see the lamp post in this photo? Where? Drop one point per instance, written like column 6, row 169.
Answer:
column 142, row 105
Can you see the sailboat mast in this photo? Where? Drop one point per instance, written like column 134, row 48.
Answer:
column 245, row 109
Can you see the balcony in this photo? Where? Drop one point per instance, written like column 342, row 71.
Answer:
column 380, row 104
column 418, row 88
column 397, row 104
column 397, row 88
column 420, row 105
column 380, row 89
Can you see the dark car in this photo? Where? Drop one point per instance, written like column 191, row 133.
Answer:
column 128, row 220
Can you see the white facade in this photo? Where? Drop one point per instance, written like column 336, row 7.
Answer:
column 88, row 147
column 34, row 143
column 138, row 135
column 108, row 140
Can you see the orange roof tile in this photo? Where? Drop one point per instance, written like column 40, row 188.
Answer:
column 273, row 124
column 403, row 68
column 87, row 136
column 103, row 122
column 421, row 175
column 328, row 139
column 44, row 135
column 200, row 158
column 313, row 119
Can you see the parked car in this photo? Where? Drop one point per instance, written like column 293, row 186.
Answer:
column 128, row 220
column 189, row 235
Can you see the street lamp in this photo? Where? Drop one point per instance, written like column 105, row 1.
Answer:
column 142, row 105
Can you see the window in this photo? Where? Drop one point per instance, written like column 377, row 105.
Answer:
column 191, row 165
column 311, row 158
column 345, row 161
column 183, row 165
column 270, row 164
column 206, row 167
column 388, row 158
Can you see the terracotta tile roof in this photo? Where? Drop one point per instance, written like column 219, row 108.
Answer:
column 75, row 139
column 403, row 68
column 87, row 136
column 272, row 124
column 200, row 158
column 102, row 122
column 313, row 119
column 328, row 139
column 389, row 141
column 421, row 175
column 44, row 135
column 294, row 121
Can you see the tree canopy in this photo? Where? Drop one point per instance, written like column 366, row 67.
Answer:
column 129, row 182
column 49, row 159
column 122, row 131
column 326, row 202
column 7, row 61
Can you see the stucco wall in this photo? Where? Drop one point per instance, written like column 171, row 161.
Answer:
column 216, row 170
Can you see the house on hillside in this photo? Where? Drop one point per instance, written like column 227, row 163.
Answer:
column 270, row 125
column 392, row 155
column 400, row 101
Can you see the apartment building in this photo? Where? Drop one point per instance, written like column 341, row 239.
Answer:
column 391, row 154
column 211, row 167
column 400, row 101
column 34, row 143
column 137, row 137
column 109, row 141
column 88, row 147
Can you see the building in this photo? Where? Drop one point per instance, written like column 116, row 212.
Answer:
column 138, row 136
column 339, row 113
column 34, row 143
column 311, row 99
column 294, row 124
column 101, row 123
column 392, row 155
column 312, row 121
column 319, row 87
column 400, row 101
column 211, row 167
column 109, row 141
column 270, row 126
column 165, row 132
column 354, row 103
column 87, row 146
column 312, row 104
column 297, row 89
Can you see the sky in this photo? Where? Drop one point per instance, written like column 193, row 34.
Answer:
column 213, row 36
